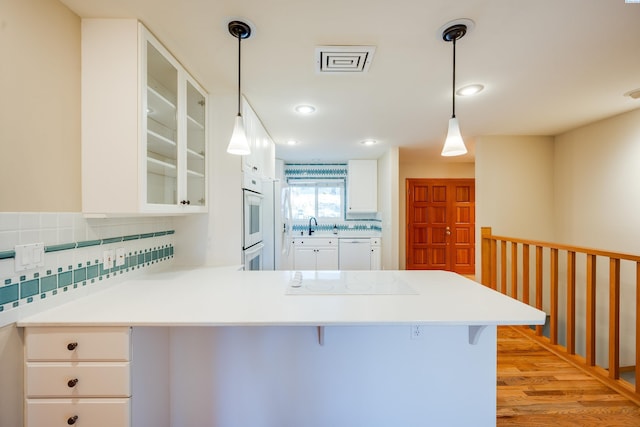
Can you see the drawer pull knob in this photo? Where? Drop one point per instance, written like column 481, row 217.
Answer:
column 72, row 346
column 72, row 383
column 72, row 420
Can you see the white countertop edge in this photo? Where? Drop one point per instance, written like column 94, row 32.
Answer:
column 227, row 298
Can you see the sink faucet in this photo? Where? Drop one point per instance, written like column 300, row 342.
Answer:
column 311, row 230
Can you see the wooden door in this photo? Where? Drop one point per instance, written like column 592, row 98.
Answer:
column 441, row 225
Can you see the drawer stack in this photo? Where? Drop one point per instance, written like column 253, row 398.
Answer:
column 78, row 376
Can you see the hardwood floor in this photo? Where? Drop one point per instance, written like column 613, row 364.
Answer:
column 537, row 388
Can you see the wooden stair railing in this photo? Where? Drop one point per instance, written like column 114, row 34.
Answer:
column 496, row 263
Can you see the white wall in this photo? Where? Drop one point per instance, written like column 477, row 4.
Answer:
column 388, row 175
column 39, row 107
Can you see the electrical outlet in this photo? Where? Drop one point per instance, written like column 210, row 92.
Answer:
column 120, row 257
column 417, row 331
column 107, row 259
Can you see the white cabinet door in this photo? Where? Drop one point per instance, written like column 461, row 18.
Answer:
column 304, row 258
column 362, row 183
column 327, row 258
column 143, row 124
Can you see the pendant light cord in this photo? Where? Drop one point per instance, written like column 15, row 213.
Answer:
column 453, row 88
column 239, row 74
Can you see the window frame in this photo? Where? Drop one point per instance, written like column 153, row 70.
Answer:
column 317, row 183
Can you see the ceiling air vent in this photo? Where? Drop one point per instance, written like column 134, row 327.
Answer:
column 344, row 59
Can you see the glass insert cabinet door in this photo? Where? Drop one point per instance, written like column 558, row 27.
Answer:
column 195, row 146
column 162, row 129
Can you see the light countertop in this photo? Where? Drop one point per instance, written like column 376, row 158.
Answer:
column 223, row 297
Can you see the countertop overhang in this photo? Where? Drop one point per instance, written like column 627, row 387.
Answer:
column 222, row 297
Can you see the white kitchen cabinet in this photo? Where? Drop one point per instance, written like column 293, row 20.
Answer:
column 376, row 254
column 77, row 376
column 144, row 125
column 261, row 161
column 362, row 186
column 315, row 254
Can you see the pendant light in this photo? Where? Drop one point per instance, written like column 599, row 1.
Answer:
column 454, row 145
column 238, row 143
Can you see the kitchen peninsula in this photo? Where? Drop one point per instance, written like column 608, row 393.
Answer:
column 216, row 347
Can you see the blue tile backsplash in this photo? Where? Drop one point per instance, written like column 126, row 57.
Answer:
column 73, row 253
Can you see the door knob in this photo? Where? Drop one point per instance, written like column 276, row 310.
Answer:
column 448, row 230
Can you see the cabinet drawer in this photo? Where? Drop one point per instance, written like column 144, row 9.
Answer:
column 74, row 343
column 316, row 241
column 92, row 379
column 89, row 412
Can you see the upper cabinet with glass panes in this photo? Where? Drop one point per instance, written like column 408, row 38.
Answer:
column 144, row 121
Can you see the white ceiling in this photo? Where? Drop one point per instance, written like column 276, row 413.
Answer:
column 547, row 65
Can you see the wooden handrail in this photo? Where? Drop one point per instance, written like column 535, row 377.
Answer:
column 496, row 251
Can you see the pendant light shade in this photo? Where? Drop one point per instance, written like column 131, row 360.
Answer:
column 239, row 144
column 454, row 145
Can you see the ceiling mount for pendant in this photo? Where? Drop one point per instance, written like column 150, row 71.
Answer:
column 239, row 29
column 454, row 32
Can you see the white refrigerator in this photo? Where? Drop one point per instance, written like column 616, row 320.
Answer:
column 276, row 226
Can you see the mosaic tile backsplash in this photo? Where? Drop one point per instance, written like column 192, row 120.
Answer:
column 74, row 249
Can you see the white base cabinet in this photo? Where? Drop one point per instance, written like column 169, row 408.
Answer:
column 315, row 254
column 77, row 376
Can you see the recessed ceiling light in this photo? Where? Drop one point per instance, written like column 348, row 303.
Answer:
column 292, row 142
column 470, row 90
column 305, row 109
column 369, row 142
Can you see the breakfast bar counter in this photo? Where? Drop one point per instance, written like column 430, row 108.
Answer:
column 222, row 348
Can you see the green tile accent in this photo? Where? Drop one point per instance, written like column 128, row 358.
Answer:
column 87, row 243
column 48, row 283
column 102, row 270
column 141, row 259
column 62, row 247
column 92, row 271
column 160, row 233
column 146, row 235
column 147, row 257
column 23, row 278
column 154, row 255
column 7, row 281
column 65, row 279
column 112, row 240
column 8, row 294
column 131, row 237
column 171, row 231
column 79, row 275
column 30, row 299
column 7, row 254
column 29, row 288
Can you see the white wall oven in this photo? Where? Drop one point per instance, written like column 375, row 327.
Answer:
column 253, row 257
column 252, row 211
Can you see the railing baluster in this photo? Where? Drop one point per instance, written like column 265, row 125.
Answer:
column 525, row 273
column 553, row 335
column 514, row 270
column 539, row 328
column 494, row 265
column 614, row 318
column 485, row 233
column 503, row 266
column 591, row 310
column 571, row 302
